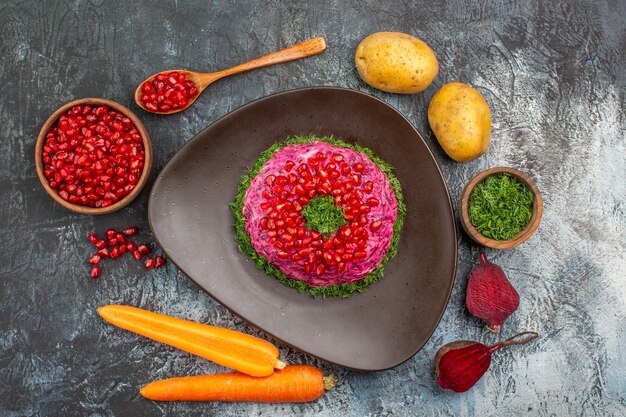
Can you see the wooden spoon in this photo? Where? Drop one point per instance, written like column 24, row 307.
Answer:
column 202, row 80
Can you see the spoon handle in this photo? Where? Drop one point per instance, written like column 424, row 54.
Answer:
column 301, row 50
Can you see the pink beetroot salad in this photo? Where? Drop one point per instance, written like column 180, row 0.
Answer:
column 294, row 176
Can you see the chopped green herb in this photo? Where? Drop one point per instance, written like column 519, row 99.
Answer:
column 322, row 215
column 500, row 206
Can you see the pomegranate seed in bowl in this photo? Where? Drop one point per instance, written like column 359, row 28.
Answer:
column 91, row 154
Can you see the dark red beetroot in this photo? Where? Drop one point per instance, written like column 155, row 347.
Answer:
column 490, row 296
column 167, row 91
column 459, row 365
column 93, row 156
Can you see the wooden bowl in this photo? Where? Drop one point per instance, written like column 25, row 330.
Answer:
column 525, row 233
column 147, row 145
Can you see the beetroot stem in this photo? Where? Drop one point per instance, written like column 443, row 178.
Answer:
column 511, row 340
column 483, row 258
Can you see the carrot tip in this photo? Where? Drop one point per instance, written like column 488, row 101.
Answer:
column 329, row 382
column 280, row 364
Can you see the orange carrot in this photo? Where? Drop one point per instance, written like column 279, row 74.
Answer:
column 236, row 350
column 294, row 383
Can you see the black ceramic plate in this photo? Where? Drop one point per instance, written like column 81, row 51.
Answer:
column 375, row 330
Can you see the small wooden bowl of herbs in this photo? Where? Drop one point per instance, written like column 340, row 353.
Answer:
column 501, row 208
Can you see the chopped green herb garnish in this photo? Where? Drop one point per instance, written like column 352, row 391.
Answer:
column 322, row 215
column 500, row 206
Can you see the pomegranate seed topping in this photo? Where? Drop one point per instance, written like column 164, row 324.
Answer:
column 111, row 233
column 289, row 166
column 137, row 255
column 337, row 157
column 131, row 246
column 112, row 242
column 149, row 263
column 345, row 232
column 358, row 167
column 95, row 272
column 376, row 225
column 359, row 254
column 101, row 244
column 320, row 269
column 115, row 253
column 104, row 253
column 93, row 238
column 373, row 202
column 94, row 260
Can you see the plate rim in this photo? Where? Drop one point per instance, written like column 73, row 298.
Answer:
column 160, row 175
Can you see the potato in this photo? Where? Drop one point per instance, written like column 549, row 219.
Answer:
column 460, row 118
column 396, row 62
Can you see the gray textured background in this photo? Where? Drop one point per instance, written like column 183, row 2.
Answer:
column 553, row 75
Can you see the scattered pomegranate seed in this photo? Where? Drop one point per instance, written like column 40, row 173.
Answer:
column 120, row 245
column 93, row 156
column 167, row 91
column 159, row 262
column 143, row 249
column 95, row 272
column 94, row 260
column 131, row 231
column 149, row 263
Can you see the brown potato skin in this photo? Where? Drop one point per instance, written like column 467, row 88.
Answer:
column 460, row 119
column 396, row 62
